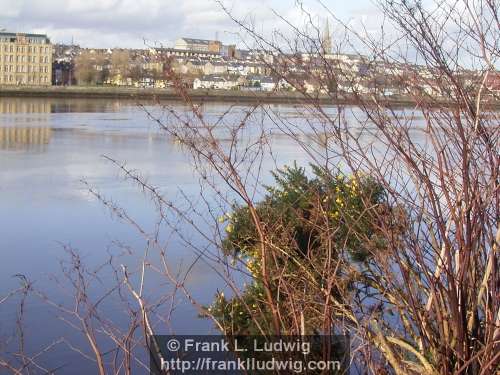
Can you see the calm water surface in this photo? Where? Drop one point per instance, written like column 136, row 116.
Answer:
column 47, row 147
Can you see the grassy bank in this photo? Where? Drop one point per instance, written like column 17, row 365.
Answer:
column 251, row 97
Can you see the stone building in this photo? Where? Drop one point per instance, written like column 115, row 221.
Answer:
column 190, row 44
column 25, row 59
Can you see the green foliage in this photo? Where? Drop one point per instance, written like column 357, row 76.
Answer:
column 297, row 210
column 305, row 220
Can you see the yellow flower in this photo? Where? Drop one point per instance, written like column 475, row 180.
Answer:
column 229, row 228
column 338, row 200
column 221, row 219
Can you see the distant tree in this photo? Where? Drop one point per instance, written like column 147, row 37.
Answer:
column 91, row 68
column 85, row 72
column 120, row 62
column 135, row 73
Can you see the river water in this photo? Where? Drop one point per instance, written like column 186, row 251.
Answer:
column 47, row 147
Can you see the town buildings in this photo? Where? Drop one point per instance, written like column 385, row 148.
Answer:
column 25, row 59
column 31, row 59
column 191, row 44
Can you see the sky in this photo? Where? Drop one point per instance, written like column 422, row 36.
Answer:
column 140, row 23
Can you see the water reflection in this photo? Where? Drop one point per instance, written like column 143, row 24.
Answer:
column 20, row 105
column 24, row 137
column 60, row 105
column 43, row 203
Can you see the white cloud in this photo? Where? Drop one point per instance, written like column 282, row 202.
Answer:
column 109, row 23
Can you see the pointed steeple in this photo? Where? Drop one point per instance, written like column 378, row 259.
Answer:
column 326, row 39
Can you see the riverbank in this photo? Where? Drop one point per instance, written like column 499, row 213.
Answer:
column 244, row 97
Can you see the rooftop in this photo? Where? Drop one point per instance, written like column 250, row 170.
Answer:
column 196, row 41
column 4, row 34
column 216, row 78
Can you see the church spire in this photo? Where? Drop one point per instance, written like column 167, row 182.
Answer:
column 326, row 39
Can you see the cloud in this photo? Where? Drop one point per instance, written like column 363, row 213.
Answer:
column 124, row 23
column 109, row 23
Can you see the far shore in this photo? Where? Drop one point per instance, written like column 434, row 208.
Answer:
column 205, row 95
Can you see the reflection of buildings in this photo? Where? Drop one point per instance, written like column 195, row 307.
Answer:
column 21, row 105
column 22, row 137
column 45, row 106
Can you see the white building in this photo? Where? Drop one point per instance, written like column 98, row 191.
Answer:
column 192, row 44
column 264, row 83
column 216, row 82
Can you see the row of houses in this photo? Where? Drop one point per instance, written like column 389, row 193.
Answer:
column 233, row 82
column 220, row 67
column 340, row 73
column 31, row 59
column 203, row 66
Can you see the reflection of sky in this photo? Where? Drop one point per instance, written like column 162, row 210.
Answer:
column 41, row 189
column 43, row 203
